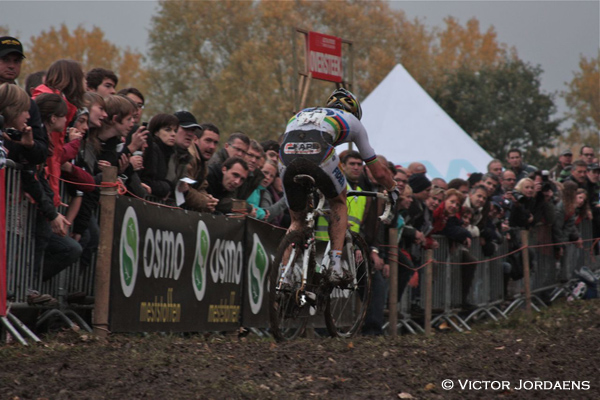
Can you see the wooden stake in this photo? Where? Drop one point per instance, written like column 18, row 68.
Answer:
column 526, row 271
column 305, row 93
column 102, row 281
column 300, row 92
column 393, row 306
column 428, row 291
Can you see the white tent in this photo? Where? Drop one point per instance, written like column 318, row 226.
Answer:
column 405, row 124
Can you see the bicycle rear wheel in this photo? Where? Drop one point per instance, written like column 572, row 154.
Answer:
column 346, row 309
column 287, row 317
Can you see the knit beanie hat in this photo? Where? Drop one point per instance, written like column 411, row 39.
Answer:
column 419, row 182
column 474, row 178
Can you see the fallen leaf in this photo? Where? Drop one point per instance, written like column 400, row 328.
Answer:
column 332, row 360
column 430, row 386
column 350, row 345
column 386, row 353
column 263, row 386
column 519, row 340
column 405, row 395
column 500, row 348
column 277, row 374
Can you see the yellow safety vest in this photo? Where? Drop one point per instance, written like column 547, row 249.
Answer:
column 356, row 211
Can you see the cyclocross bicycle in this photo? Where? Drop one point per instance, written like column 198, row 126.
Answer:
column 300, row 290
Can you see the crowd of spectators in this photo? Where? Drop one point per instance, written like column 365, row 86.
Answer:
column 492, row 206
column 71, row 125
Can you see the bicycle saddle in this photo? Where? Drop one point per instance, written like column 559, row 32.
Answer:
column 305, row 180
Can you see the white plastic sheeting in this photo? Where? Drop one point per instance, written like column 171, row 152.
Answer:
column 405, row 124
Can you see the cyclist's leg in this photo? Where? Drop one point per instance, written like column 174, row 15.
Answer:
column 296, row 198
column 332, row 183
column 298, row 220
column 338, row 223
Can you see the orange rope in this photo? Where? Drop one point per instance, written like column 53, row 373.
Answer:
column 483, row 261
column 121, row 189
column 391, row 254
column 409, row 267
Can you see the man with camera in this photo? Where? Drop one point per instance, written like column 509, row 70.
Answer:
column 27, row 144
column 32, row 146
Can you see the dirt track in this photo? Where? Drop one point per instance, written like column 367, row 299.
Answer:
column 563, row 344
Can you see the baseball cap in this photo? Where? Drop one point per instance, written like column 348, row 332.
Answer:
column 9, row 44
column 593, row 166
column 187, row 120
column 566, row 152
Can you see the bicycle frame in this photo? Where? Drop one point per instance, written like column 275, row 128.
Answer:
column 310, row 220
column 300, row 286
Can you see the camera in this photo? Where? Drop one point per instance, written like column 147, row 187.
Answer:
column 518, row 196
column 14, row 134
column 545, row 175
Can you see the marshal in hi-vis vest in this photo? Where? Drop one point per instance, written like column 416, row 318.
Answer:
column 356, row 211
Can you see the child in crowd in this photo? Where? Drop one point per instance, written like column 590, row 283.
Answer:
column 467, row 215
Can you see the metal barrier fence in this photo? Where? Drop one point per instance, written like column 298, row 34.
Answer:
column 549, row 278
column 20, row 238
column 487, row 291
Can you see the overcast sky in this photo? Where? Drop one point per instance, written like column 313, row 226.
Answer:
column 552, row 34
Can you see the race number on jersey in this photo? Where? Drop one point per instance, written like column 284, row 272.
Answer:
column 311, row 117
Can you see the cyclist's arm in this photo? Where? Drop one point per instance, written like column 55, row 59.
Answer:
column 382, row 174
column 379, row 170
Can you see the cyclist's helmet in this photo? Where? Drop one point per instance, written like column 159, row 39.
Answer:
column 345, row 100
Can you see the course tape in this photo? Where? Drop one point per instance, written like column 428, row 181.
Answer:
column 122, row 190
column 392, row 255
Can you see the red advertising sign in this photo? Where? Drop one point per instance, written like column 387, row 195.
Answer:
column 325, row 57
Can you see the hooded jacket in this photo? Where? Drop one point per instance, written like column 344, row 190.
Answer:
column 56, row 143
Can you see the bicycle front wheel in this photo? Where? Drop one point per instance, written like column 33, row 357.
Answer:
column 346, row 309
column 287, row 316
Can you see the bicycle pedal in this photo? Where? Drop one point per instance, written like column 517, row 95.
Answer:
column 308, row 298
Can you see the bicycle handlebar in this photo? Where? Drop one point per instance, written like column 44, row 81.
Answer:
column 386, row 216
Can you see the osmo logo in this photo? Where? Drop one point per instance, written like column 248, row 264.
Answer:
column 257, row 272
column 201, row 260
column 128, row 252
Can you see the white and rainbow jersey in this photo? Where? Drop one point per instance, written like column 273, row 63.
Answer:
column 342, row 126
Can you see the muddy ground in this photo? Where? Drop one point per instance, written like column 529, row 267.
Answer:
column 560, row 345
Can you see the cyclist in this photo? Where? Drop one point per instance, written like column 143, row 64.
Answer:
column 308, row 147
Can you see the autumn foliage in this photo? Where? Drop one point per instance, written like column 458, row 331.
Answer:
column 90, row 48
column 583, row 99
column 233, row 63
